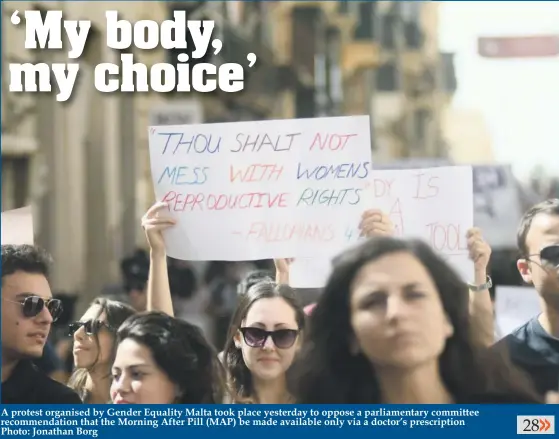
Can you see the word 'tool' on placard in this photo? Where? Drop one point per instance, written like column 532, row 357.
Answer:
column 258, row 190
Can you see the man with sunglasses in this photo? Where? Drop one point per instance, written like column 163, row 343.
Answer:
column 28, row 311
column 534, row 347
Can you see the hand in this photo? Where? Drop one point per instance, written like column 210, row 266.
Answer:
column 282, row 265
column 282, row 270
column 480, row 251
column 375, row 223
column 153, row 223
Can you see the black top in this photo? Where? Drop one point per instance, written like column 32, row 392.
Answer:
column 49, row 362
column 28, row 385
column 535, row 352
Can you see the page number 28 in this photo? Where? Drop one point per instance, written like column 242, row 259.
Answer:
column 535, row 425
column 531, row 425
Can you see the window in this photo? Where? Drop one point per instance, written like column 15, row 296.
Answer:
column 413, row 35
column 15, row 182
column 387, row 77
column 388, row 31
column 365, row 29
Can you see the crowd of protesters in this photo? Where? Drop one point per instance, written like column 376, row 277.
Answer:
column 394, row 324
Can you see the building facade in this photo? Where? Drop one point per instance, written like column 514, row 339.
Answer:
column 84, row 164
column 81, row 164
column 414, row 83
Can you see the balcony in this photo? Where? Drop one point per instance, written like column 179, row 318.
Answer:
column 363, row 51
column 360, row 55
column 346, row 19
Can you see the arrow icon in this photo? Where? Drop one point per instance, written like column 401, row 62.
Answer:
column 544, row 424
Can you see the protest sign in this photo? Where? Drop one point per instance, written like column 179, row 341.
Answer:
column 514, row 306
column 434, row 204
column 497, row 198
column 17, row 226
column 257, row 190
column 497, row 204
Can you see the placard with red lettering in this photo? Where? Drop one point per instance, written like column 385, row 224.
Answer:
column 434, row 204
column 258, row 190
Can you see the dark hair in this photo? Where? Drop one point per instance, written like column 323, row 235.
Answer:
column 26, row 258
column 550, row 207
column 115, row 314
column 135, row 270
column 240, row 377
column 326, row 370
column 252, row 278
column 182, row 353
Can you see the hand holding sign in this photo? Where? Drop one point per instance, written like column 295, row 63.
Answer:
column 312, row 273
column 153, row 223
column 282, row 270
column 479, row 250
column 259, row 190
column 375, row 222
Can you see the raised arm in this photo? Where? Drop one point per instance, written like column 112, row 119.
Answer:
column 481, row 307
column 159, row 291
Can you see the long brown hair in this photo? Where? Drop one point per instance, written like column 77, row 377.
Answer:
column 115, row 314
column 329, row 373
column 239, row 376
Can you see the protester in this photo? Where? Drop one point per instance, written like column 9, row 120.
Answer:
column 94, row 348
column 481, row 305
column 222, row 297
column 534, row 347
column 393, row 326
column 252, row 278
column 134, row 270
column 28, row 311
column 163, row 360
column 262, row 342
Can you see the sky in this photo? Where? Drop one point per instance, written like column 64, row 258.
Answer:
column 519, row 98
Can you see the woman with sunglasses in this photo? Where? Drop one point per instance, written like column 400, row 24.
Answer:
column 261, row 344
column 95, row 348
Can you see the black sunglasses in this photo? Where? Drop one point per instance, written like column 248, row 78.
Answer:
column 33, row 305
column 282, row 338
column 549, row 255
column 91, row 327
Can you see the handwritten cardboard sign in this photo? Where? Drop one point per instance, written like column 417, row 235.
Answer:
column 514, row 306
column 256, row 190
column 435, row 205
column 497, row 204
column 17, row 226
